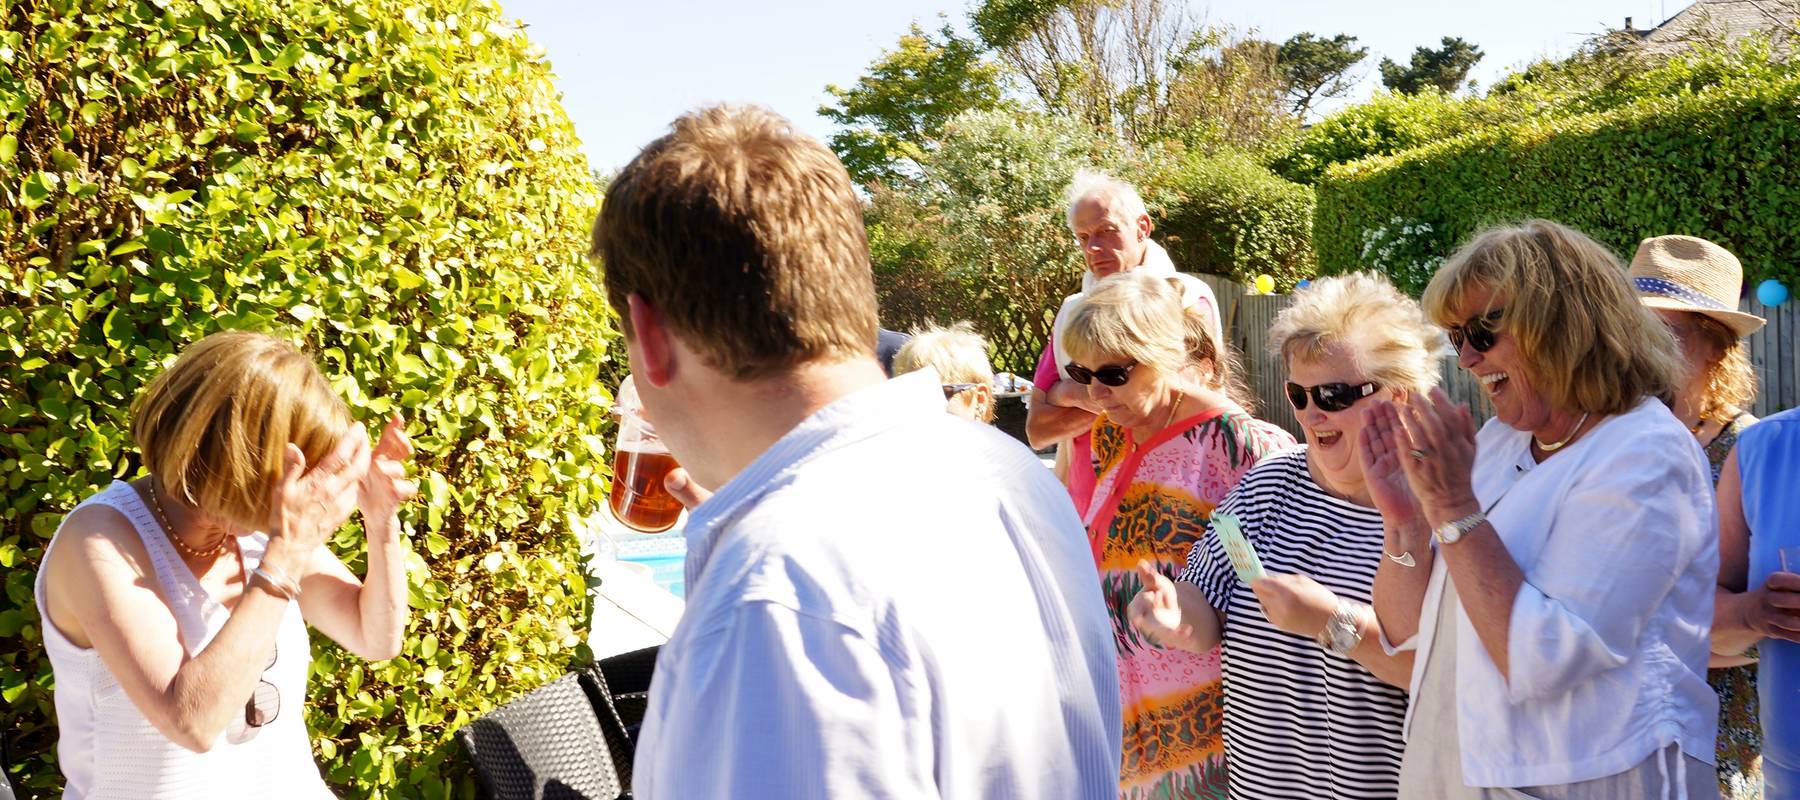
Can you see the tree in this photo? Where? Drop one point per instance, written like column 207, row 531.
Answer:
column 897, row 110
column 1445, row 68
column 1316, row 67
column 1226, row 91
column 1107, row 63
column 1139, row 71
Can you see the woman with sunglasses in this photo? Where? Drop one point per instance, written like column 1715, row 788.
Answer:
column 176, row 605
column 1171, row 440
column 1560, row 626
column 959, row 355
column 1313, row 707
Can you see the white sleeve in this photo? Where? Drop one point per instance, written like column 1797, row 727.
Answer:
column 786, row 705
column 1618, row 542
column 1389, row 648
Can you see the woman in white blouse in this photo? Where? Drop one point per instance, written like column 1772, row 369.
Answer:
column 1560, row 617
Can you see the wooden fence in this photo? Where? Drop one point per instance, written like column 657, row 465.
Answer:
column 1774, row 351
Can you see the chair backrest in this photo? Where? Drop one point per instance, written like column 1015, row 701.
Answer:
column 619, row 688
column 544, row 745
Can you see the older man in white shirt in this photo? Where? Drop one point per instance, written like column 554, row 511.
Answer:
column 883, row 600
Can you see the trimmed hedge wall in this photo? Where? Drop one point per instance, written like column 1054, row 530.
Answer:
column 1719, row 163
column 1227, row 215
column 395, row 186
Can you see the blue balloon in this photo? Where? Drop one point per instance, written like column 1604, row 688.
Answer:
column 1303, row 284
column 1771, row 293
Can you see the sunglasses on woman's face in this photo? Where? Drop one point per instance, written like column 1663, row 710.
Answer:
column 1112, row 375
column 954, row 389
column 1480, row 332
column 1330, row 396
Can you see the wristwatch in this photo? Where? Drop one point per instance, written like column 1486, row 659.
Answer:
column 1452, row 532
column 1343, row 632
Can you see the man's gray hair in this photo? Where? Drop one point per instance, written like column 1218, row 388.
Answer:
column 1116, row 194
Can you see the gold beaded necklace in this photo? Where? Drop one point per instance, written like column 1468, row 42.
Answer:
column 169, row 531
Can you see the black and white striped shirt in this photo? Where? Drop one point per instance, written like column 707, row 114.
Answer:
column 1299, row 722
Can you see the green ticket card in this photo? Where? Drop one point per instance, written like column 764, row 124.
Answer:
column 1237, row 548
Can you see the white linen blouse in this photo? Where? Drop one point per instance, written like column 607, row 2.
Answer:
column 1608, row 643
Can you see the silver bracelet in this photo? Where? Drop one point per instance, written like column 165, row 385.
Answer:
column 278, row 573
column 282, row 585
column 1405, row 559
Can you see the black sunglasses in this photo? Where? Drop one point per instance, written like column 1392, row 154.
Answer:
column 1480, row 332
column 1113, row 375
column 954, row 389
column 1330, row 396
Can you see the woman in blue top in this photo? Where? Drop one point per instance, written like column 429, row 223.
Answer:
column 1758, row 602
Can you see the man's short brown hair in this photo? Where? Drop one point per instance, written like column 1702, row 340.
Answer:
column 748, row 237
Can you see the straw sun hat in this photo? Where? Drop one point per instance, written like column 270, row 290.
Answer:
column 1685, row 273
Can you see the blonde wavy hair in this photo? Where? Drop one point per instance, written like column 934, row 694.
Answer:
column 1587, row 342
column 1363, row 316
column 1145, row 319
column 958, row 353
column 1730, row 381
column 214, row 427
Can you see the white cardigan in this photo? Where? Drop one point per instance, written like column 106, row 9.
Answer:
column 1617, row 537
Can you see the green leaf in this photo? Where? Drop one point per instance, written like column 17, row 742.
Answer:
column 249, row 131
column 9, row 147
column 128, row 247
column 289, row 56
column 406, row 279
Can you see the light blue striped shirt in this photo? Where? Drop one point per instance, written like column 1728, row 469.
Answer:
column 889, row 602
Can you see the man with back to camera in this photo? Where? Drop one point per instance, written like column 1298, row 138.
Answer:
column 841, row 638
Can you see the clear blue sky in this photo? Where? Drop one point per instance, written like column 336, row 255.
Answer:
column 627, row 68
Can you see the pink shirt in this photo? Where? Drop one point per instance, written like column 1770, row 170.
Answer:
column 1081, row 452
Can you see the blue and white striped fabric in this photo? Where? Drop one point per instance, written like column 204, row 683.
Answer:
column 889, row 602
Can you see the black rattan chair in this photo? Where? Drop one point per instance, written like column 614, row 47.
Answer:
column 545, row 745
column 619, row 688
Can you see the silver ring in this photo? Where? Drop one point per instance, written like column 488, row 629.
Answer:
column 1417, row 454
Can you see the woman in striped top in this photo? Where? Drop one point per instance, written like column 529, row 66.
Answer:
column 1311, row 704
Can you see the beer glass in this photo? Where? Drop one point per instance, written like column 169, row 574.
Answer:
column 640, row 462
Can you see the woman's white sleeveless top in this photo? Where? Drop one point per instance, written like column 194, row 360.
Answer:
column 108, row 749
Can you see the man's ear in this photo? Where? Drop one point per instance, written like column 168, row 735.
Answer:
column 1144, row 226
column 652, row 344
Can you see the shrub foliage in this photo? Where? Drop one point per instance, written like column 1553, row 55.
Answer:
column 396, row 187
column 1716, row 163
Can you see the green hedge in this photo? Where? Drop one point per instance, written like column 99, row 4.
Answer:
column 1717, row 163
column 395, row 186
column 1228, row 215
column 1388, row 123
